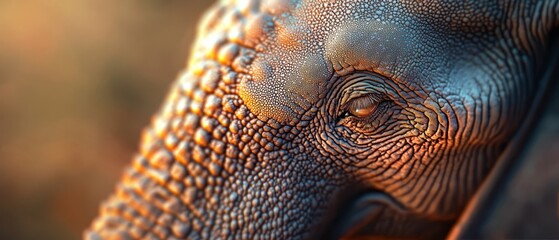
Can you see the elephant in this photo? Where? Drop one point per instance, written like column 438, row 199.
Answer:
column 322, row 119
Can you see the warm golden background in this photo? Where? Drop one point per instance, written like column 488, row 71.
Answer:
column 78, row 81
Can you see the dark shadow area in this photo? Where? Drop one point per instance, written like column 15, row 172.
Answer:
column 520, row 199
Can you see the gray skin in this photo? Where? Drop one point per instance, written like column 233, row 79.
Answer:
column 321, row 119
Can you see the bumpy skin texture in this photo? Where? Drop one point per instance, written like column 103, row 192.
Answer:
column 258, row 139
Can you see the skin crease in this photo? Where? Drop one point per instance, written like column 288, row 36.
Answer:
column 255, row 139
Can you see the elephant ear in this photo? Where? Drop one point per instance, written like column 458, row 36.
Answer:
column 520, row 197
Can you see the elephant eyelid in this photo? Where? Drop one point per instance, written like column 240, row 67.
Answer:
column 363, row 107
column 362, row 97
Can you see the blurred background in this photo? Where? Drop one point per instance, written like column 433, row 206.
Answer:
column 78, row 82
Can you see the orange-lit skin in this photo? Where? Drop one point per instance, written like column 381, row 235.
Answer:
column 291, row 112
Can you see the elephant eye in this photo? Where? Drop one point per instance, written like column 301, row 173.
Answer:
column 362, row 107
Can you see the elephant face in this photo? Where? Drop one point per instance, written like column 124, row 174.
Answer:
column 301, row 118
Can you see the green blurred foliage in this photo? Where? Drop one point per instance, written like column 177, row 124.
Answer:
column 78, row 82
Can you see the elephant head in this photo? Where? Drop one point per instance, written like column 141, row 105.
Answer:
column 321, row 119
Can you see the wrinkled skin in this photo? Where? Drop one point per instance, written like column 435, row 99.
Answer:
column 300, row 119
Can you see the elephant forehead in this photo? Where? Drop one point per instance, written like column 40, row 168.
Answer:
column 301, row 43
column 298, row 42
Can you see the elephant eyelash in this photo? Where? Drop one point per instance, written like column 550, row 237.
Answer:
column 361, row 107
column 381, row 114
column 362, row 99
